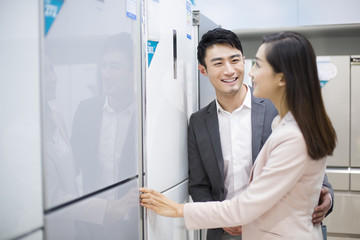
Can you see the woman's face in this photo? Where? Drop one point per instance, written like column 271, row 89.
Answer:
column 266, row 83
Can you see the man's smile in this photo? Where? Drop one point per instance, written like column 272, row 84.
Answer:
column 230, row 80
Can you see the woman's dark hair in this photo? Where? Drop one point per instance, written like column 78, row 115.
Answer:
column 291, row 53
column 217, row 36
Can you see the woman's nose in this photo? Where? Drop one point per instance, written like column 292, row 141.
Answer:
column 251, row 74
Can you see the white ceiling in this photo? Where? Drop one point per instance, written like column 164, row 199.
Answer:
column 252, row 14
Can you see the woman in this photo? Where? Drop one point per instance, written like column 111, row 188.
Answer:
column 287, row 176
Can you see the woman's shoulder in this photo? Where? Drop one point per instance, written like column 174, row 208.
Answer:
column 287, row 129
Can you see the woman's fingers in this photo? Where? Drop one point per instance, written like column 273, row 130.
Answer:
column 152, row 191
column 149, row 206
column 147, row 196
column 150, row 199
column 160, row 204
column 150, row 194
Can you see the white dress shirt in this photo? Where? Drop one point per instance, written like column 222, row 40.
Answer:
column 114, row 130
column 235, row 137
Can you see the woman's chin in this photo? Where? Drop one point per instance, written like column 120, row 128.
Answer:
column 256, row 92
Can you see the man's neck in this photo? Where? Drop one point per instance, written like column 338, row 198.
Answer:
column 118, row 103
column 232, row 102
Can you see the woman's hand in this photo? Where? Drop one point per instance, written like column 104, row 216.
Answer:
column 160, row 204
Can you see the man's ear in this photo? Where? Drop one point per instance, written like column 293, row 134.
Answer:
column 202, row 69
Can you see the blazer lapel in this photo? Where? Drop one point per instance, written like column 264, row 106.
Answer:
column 257, row 120
column 212, row 125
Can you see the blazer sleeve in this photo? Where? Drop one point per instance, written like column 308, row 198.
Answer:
column 327, row 184
column 199, row 183
column 287, row 159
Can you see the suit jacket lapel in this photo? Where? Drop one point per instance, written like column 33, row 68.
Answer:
column 257, row 120
column 212, row 124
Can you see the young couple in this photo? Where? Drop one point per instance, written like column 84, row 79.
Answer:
column 277, row 195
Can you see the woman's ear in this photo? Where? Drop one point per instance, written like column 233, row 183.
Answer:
column 281, row 78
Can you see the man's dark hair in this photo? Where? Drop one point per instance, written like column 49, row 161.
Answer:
column 217, row 36
column 121, row 42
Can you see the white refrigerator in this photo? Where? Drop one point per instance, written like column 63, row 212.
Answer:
column 170, row 96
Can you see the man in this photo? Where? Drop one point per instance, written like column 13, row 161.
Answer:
column 226, row 136
column 104, row 141
column 104, row 127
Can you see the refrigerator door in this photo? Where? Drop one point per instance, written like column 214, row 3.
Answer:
column 38, row 235
column 164, row 228
column 91, row 114
column 98, row 216
column 169, row 98
column 339, row 94
column 334, row 74
column 169, row 92
column 355, row 111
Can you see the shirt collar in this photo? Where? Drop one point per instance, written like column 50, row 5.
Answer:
column 246, row 102
column 282, row 121
column 107, row 107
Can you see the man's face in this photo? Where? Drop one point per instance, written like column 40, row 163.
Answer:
column 116, row 73
column 224, row 68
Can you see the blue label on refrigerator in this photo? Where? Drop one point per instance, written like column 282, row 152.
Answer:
column 151, row 48
column 131, row 9
column 323, row 82
column 188, row 20
column 51, row 10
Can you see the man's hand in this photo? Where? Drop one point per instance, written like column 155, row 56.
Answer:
column 324, row 206
column 233, row 230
